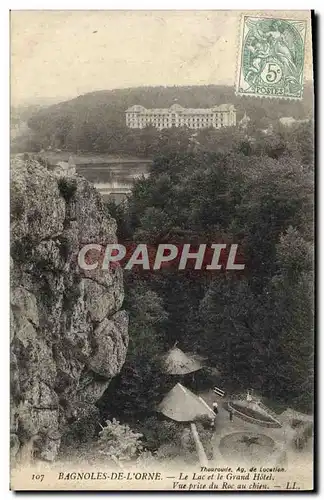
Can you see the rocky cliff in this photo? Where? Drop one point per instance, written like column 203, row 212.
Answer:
column 68, row 333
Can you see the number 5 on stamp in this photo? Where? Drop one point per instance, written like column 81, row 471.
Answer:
column 271, row 58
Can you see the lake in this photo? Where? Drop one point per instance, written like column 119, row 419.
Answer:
column 113, row 176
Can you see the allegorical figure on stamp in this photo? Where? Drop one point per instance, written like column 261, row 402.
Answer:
column 273, row 54
column 283, row 48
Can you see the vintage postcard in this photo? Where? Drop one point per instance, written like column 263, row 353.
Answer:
column 162, row 205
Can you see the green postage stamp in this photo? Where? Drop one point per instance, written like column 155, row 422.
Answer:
column 271, row 59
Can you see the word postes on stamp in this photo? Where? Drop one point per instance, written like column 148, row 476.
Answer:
column 271, row 59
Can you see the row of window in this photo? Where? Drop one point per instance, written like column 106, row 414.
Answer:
column 198, row 117
column 182, row 120
column 168, row 125
column 172, row 121
column 190, row 123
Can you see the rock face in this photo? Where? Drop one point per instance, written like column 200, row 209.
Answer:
column 68, row 335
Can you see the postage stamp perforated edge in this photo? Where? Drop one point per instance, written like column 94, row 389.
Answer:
column 269, row 15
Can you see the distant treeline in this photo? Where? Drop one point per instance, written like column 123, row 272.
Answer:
column 95, row 122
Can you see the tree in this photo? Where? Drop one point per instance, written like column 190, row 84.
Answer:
column 229, row 339
column 139, row 385
column 255, row 326
column 290, row 295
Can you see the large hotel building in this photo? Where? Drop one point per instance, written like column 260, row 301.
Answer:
column 176, row 116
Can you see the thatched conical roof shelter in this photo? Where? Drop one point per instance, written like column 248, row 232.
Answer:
column 176, row 362
column 182, row 405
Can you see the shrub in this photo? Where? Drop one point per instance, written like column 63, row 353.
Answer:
column 168, row 452
column 118, row 441
column 146, row 460
column 42, row 161
column 159, row 432
column 22, row 250
column 67, row 188
column 16, row 207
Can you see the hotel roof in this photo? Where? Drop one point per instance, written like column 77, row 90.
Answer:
column 137, row 108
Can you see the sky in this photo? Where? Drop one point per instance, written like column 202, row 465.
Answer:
column 57, row 55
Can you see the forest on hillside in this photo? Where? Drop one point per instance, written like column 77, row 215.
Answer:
column 255, row 327
column 95, row 122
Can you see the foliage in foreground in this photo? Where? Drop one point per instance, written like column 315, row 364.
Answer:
column 118, row 441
